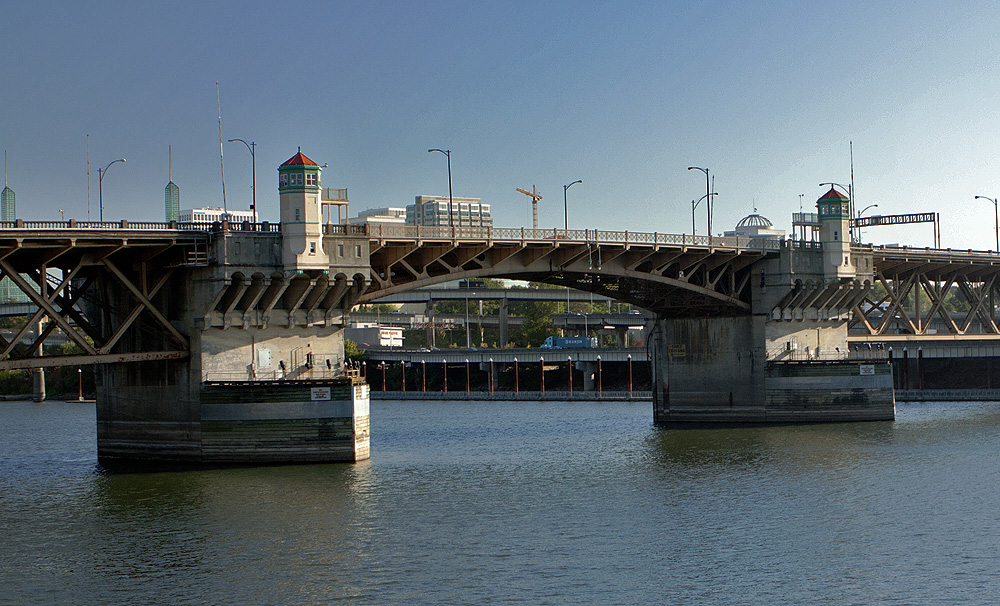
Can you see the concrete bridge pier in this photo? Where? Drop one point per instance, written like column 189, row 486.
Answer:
column 259, row 320
column 748, row 363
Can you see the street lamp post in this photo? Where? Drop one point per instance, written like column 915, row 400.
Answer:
column 451, row 212
column 859, row 216
column 708, row 194
column 253, row 176
column 423, row 380
column 467, row 375
column 491, row 375
column 101, row 172
column 566, row 205
column 996, row 220
column 444, row 370
column 694, row 205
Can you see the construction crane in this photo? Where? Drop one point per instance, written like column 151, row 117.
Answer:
column 535, row 197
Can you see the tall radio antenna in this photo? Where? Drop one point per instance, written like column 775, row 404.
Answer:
column 222, row 162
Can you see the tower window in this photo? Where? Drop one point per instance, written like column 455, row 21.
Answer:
column 312, row 248
column 310, row 178
column 295, row 178
column 297, row 215
column 283, row 180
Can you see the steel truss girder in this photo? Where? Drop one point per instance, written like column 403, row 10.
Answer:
column 907, row 288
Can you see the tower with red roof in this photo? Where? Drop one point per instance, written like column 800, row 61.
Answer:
column 301, row 216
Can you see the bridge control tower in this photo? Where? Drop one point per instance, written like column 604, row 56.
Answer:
column 301, row 218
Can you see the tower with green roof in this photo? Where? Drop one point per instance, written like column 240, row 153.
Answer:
column 834, row 231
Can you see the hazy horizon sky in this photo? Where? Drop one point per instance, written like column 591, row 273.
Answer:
column 625, row 96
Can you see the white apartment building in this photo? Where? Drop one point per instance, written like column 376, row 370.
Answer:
column 464, row 212
column 388, row 216
column 212, row 214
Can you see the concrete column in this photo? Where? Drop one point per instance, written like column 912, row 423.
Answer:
column 431, row 333
column 503, row 322
column 589, row 375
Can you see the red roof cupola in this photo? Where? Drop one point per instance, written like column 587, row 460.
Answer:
column 299, row 159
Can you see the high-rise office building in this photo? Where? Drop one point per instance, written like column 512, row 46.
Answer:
column 171, row 193
column 172, row 202
column 6, row 196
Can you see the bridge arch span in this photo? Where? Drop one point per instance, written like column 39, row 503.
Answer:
column 673, row 281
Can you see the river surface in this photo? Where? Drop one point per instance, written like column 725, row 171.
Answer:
column 518, row 503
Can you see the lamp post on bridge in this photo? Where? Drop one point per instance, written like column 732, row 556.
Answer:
column 444, row 369
column 694, row 205
column 100, row 184
column 467, row 375
column 451, row 212
column 253, row 176
column 566, row 205
column 859, row 216
column 708, row 194
column 996, row 220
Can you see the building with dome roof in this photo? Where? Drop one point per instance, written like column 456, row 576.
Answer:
column 756, row 226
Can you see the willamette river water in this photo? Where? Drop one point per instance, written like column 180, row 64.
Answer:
column 517, row 503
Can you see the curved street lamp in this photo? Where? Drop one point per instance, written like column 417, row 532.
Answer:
column 859, row 216
column 253, row 175
column 100, row 183
column 996, row 221
column 694, row 205
column 566, row 206
column 451, row 215
column 708, row 194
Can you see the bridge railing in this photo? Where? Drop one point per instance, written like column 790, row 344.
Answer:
column 583, row 236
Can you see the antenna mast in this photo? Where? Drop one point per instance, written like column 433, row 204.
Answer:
column 222, row 162
column 88, row 177
column 851, row 143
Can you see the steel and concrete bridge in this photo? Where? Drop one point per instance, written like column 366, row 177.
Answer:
column 189, row 321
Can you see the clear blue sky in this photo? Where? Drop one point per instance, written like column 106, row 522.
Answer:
column 624, row 95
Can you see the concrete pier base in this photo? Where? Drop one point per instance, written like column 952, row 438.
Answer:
column 228, row 423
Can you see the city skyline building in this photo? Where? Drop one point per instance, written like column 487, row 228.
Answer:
column 391, row 215
column 7, row 206
column 171, row 193
column 208, row 214
column 463, row 212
